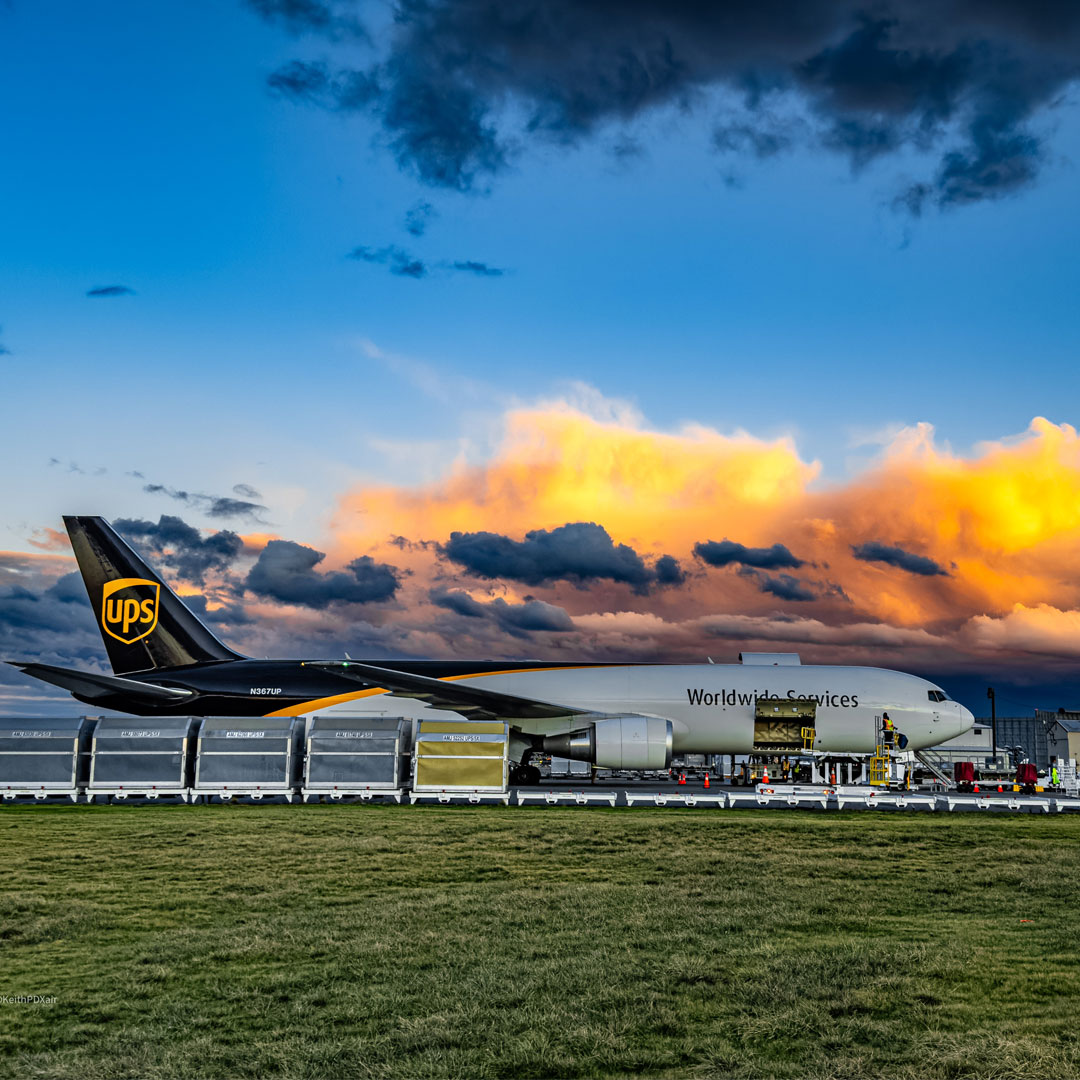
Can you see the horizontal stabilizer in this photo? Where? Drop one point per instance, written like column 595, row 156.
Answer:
column 85, row 684
column 473, row 701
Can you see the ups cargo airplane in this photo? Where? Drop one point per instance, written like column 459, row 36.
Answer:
column 631, row 716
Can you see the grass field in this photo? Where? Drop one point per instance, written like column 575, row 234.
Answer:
column 367, row 941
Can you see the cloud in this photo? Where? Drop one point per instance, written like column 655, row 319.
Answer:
column 228, row 614
column 46, row 539
column 727, row 553
column 782, row 586
column 579, row 552
column 1041, row 629
column 668, row 571
column 519, row 619
column 418, row 217
column 398, row 261
column 460, row 86
column 872, row 551
column 215, row 506
column 285, row 572
column 589, row 477
column 110, row 290
column 246, row 491
column 480, row 269
column 174, row 543
column 335, row 20
column 402, row 263
column 45, row 615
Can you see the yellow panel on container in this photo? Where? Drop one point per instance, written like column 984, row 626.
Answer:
column 426, row 748
column 462, row 727
column 459, row 772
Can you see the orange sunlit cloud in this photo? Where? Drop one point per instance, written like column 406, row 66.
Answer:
column 1002, row 524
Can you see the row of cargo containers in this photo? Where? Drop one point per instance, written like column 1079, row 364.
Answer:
column 269, row 756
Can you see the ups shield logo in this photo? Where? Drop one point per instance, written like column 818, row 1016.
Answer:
column 129, row 608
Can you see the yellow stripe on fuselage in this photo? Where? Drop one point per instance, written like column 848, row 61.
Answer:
column 355, row 695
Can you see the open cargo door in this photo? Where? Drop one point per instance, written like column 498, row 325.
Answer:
column 778, row 722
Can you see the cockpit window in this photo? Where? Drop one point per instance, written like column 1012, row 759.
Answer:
column 937, row 695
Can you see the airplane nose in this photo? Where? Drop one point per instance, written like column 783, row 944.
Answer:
column 965, row 721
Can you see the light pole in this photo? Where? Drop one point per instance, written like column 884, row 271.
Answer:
column 993, row 720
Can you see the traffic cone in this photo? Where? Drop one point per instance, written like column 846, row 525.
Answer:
column 706, row 780
column 999, row 789
column 765, row 775
column 976, row 789
column 682, row 778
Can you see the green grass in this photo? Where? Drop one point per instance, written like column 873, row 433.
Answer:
column 363, row 941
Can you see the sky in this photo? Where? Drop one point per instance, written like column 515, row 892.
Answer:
column 648, row 331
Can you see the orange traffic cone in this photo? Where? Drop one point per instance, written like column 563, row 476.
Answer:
column 999, row 789
column 682, row 778
column 976, row 789
column 706, row 780
column 765, row 775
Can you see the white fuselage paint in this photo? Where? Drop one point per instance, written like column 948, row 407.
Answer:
column 711, row 706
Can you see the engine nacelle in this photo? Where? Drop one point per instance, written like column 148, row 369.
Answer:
column 617, row 742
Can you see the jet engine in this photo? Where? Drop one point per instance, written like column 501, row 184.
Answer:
column 617, row 742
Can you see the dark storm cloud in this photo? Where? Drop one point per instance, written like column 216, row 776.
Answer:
column 23, row 608
column 518, row 619
column 224, row 615
column 215, row 506
column 110, row 290
column 397, row 260
column 872, row 551
column 729, row 553
column 458, row 85
column 174, row 543
column 579, row 552
column 45, row 619
column 285, row 571
column 418, row 217
column 668, row 571
column 782, row 586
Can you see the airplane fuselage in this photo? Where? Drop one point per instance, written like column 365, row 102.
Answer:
column 712, row 707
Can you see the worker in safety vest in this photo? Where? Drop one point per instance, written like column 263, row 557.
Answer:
column 1053, row 772
column 888, row 731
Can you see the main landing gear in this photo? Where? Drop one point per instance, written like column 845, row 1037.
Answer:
column 524, row 775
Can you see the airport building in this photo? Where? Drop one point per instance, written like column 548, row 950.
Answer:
column 1062, row 733
column 1047, row 734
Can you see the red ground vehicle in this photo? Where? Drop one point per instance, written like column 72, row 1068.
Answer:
column 1027, row 776
column 964, row 775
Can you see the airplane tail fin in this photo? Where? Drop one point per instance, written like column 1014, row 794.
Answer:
column 143, row 623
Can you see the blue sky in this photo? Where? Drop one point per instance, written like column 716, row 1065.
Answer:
column 782, row 296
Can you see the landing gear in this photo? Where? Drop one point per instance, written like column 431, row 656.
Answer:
column 524, row 775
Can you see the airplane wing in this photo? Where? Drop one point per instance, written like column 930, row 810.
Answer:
column 472, row 701
column 89, row 685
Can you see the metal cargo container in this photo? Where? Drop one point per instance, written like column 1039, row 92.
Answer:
column 44, row 757
column 461, row 755
column 356, row 755
column 142, row 757
column 561, row 766
column 249, row 757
